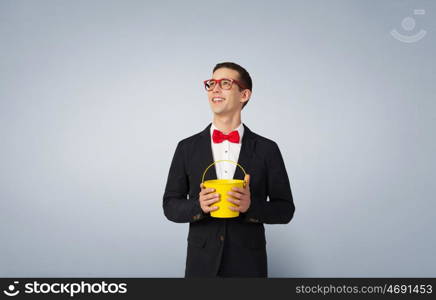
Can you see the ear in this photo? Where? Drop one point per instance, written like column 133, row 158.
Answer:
column 246, row 95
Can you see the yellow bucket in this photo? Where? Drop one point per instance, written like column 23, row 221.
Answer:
column 222, row 186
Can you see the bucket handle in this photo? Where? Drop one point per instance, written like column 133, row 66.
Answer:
column 231, row 161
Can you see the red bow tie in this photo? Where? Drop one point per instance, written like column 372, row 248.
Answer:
column 218, row 136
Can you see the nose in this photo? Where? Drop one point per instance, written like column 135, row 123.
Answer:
column 216, row 85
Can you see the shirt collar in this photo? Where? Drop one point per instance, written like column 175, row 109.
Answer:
column 240, row 130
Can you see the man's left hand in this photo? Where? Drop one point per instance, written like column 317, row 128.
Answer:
column 241, row 196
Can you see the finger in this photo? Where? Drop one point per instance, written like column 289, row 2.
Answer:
column 239, row 190
column 207, row 191
column 236, row 195
column 211, row 201
column 206, row 200
column 211, row 208
column 234, row 201
column 233, row 208
column 211, row 196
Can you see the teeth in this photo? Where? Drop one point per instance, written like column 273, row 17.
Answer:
column 217, row 99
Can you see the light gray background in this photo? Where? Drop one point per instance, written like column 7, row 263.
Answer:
column 95, row 95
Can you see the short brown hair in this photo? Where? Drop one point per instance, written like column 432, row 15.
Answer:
column 244, row 76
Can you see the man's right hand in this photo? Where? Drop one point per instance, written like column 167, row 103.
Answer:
column 206, row 198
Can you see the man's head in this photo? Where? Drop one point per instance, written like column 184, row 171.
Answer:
column 230, row 88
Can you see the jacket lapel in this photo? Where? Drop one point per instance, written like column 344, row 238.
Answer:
column 246, row 154
column 205, row 156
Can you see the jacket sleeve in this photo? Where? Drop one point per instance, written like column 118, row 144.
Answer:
column 280, row 207
column 176, row 205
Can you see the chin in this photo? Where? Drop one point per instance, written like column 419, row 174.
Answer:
column 216, row 110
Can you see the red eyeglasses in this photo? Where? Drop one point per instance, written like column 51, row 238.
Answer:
column 224, row 83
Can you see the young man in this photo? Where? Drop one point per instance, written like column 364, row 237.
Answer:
column 228, row 247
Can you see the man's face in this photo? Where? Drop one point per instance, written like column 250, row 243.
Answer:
column 232, row 99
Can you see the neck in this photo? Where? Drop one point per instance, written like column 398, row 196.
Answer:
column 227, row 123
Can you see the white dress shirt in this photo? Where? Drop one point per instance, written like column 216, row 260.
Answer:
column 226, row 151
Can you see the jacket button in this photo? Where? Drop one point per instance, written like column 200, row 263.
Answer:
column 221, row 238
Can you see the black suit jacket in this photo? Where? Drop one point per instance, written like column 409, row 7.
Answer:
column 234, row 246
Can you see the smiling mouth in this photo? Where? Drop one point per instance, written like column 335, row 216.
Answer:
column 217, row 99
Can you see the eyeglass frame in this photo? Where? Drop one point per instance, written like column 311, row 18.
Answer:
column 218, row 81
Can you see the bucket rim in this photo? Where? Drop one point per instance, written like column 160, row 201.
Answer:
column 224, row 181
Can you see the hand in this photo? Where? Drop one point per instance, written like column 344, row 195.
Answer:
column 241, row 197
column 206, row 198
